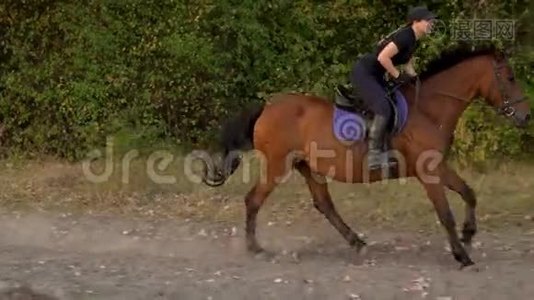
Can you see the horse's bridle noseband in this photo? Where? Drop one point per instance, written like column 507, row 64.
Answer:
column 507, row 107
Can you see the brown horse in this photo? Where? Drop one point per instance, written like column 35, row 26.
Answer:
column 295, row 131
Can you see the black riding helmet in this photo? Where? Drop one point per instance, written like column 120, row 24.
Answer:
column 420, row 13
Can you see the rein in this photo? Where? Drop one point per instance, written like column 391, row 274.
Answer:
column 417, row 89
column 454, row 96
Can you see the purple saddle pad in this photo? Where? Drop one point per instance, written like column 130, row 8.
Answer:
column 350, row 127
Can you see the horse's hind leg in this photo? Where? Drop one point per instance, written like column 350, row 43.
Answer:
column 323, row 203
column 454, row 182
column 256, row 197
column 253, row 201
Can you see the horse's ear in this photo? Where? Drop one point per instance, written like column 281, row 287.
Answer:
column 501, row 54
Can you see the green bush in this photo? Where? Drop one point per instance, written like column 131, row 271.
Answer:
column 73, row 73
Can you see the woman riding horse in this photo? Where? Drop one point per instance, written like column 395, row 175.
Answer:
column 368, row 76
column 295, row 131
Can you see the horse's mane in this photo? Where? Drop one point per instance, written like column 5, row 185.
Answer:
column 453, row 56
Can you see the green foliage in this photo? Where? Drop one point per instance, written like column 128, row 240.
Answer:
column 73, row 73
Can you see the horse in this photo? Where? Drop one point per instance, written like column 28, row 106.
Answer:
column 294, row 131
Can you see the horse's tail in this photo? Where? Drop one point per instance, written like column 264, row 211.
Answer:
column 237, row 134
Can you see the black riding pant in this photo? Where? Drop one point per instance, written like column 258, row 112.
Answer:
column 372, row 89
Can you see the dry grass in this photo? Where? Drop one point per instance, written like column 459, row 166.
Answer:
column 506, row 196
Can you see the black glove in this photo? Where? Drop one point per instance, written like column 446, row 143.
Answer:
column 403, row 78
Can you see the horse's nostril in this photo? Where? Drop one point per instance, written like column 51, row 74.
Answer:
column 527, row 118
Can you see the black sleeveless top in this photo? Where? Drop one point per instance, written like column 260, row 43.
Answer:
column 406, row 42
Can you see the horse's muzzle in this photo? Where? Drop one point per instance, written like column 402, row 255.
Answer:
column 521, row 121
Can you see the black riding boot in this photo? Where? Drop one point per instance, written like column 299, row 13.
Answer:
column 377, row 158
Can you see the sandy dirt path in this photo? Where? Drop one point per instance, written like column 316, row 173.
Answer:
column 90, row 257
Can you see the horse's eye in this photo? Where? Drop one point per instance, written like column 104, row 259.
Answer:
column 511, row 78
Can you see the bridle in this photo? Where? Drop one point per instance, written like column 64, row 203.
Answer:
column 507, row 108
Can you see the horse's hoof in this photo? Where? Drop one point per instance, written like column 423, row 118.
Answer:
column 466, row 262
column 470, row 268
column 266, row 256
column 254, row 248
column 356, row 242
column 358, row 257
column 260, row 255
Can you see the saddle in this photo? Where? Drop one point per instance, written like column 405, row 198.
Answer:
column 347, row 100
column 351, row 101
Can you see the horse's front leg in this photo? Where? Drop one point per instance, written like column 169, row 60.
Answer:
column 436, row 193
column 454, row 182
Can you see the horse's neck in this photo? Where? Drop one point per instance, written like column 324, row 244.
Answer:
column 447, row 95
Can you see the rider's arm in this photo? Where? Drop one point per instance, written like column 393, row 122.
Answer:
column 409, row 68
column 384, row 57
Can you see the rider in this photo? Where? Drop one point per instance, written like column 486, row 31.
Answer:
column 368, row 75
